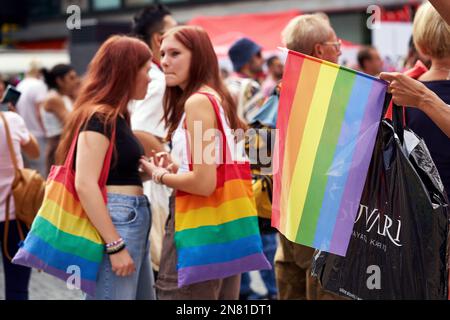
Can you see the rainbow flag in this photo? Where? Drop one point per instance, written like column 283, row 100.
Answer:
column 327, row 123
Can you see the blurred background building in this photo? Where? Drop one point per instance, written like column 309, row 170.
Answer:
column 38, row 28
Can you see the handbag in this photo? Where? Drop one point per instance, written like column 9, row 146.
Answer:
column 62, row 240
column 399, row 245
column 27, row 191
column 218, row 236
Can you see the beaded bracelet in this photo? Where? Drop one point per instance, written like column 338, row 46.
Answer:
column 116, row 249
column 114, row 243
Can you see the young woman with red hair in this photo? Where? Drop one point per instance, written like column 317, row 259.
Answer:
column 191, row 69
column 117, row 74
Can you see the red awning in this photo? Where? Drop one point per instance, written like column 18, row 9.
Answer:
column 263, row 28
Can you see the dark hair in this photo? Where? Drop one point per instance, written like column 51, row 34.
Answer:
column 271, row 60
column 364, row 55
column 58, row 71
column 148, row 21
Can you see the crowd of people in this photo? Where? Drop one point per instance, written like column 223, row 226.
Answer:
column 150, row 105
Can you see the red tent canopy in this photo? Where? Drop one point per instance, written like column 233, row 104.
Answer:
column 264, row 28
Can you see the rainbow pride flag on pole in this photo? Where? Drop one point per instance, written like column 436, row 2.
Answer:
column 327, row 123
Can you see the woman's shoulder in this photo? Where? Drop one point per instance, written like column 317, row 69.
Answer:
column 13, row 118
column 198, row 102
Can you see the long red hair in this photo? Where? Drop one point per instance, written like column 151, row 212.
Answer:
column 204, row 70
column 108, row 87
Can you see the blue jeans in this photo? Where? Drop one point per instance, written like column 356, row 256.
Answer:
column 269, row 241
column 132, row 218
column 16, row 277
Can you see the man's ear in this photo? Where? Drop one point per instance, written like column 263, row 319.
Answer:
column 155, row 41
column 318, row 51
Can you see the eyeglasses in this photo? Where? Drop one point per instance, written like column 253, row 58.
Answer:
column 336, row 44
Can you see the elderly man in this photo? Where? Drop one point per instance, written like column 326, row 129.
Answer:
column 314, row 36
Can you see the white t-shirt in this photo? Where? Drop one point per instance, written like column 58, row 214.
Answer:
column 53, row 126
column 146, row 114
column 33, row 92
column 20, row 136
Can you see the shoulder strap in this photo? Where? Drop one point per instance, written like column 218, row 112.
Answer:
column 226, row 154
column 106, row 164
column 12, row 153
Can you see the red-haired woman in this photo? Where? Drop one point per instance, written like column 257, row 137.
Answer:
column 117, row 74
column 190, row 66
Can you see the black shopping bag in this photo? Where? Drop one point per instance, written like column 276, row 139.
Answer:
column 398, row 249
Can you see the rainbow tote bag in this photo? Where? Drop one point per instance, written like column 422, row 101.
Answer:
column 218, row 236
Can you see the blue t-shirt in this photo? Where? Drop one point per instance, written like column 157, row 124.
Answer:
column 437, row 141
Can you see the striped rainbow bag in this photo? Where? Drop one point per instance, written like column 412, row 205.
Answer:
column 218, row 236
column 62, row 239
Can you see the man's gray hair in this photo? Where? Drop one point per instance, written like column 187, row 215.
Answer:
column 303, row 32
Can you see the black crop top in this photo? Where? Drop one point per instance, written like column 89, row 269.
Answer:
column 128, row 151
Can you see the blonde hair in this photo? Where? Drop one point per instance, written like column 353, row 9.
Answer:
column 303, row 32
column 431, row 33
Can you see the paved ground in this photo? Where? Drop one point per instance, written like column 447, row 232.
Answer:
column 46, row 287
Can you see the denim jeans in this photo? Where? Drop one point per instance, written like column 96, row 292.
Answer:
column 132, row 218
column 16, row 277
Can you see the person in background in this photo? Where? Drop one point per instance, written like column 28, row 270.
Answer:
column 248, row 62
column 275, row 73
column 63, row 83
column 369, row 61
column 16, row 277
column 33, row 91
column 147, row 117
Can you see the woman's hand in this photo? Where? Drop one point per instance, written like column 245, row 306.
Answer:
column 122, row 264
column 156, row 171
column 405, row 91
column 165, row 160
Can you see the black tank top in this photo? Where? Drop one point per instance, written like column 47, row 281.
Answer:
column 127, row 153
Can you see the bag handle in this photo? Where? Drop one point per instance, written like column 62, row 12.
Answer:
column 398, row 116
column 12, row 153
column 68, row 163
column 226, row 154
